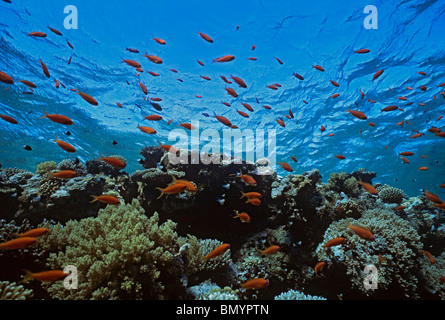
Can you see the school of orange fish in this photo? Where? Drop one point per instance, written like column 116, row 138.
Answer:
column 177, row 186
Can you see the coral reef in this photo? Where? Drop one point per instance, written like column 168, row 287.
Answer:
column 152, row 246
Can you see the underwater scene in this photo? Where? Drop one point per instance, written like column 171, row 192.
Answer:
column 203, row 150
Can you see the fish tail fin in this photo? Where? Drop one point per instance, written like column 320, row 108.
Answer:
column 236, row 214
column 243, row 194
column 162, row 192
column 46, row 114
column 57, row 138
column 28, row 276
column 94, row 198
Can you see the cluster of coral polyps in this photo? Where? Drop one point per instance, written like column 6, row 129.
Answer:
column 152, row 246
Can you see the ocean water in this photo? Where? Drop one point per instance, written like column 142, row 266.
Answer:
column 408, row 39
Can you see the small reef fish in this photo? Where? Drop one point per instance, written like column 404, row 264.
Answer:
column 38, row 34
column 432, row 197
column 34, row 233
column 248, row 180
column 105, row 199
column 240, row 82
column 172, row 189
column 225, row 58
column 334, row 242
column 6, row 78
column 205, row 36
column 257, row 283
column 429, row 256
column 45, row 69
column 87, row 98
column 286, row 166
column 250, row 195
column 114, row 162
column 189, row 186
column 52, row 275
column 8, row 119
column 168, row 148
column 65, row 145
column 218, row 251
column 153, row 58
column 160, row 41
column 58, row 118
column 319, row 267
column 362, row 232
column 362, row 51
column 254, row 201
column 269, row 250
column 377, row 74
column 358, row 114
column 369, row 188
column 153, row 117
column 148, row 130
column 232, row 92
column 18, row 243
column 243, row 216
column 64, row 174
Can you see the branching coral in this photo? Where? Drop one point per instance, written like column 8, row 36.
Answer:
column 12, row 291
column 120, row 254
column 296, row 295
column 395, row 252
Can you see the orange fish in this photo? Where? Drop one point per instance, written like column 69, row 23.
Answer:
column 206, row 37
column 55, row 31
column 153, row 58
column 429, row 255
column 189, row 186
column 37, row 34
column 247, row 106
column 245, row 115
column 362, row 51
column 243, row 216
column 294, row 159
column 239, row 81
column 160, row 41
column 440, row 205
column 423, row 168
column 114, row 162
column 58, row 118
column 172, row 189
column 270, row 250
column 8, row 118
column 28, row 83
column 18, row 243
column 281, row 122
column 188, row 126
column 232, row 92
column 52, row 275
column 404, row 159
column 257, row 283
column 223, row 120
column 154, row 117
column 143, row 87
column 339, row 156
column 319, row 68
column 248, row 180
column 279, row 61
column 319, row 267
column 37, row 232
column 406, row 153
column 377, row 74
column 335, row 95
column 64, row 174
column 200, row 62
column 105, row 199
column 334, row 242
column 168, row 148
column 250, row 195
column 65, row 145
column 220, row 250
column 225, row 58
column 363, row 233
column 432, row 197
column 132, row 63
column 147, row 130
column 286, row 166
column 6, row 78
column 254, row 201
column 358, row 114
column 335, row 83
column 45, row 69
column 87, row 98
column 368, row 187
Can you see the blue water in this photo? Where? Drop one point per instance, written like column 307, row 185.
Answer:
column 409, row 39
